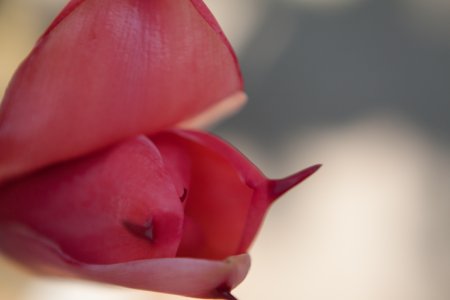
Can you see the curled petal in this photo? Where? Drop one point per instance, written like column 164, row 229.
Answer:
column 116, row 205
column 106, row 70
column 160, row 213
column 183, row 276
column 227, row 196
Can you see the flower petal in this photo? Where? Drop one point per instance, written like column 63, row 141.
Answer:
column 227, row 196
column 183, row 276
column 113, row 206
column 106, row 70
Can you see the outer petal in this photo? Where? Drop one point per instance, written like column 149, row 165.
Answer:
column 106, row 70
column 113, row 206
column 227, row 196
column 184, row 276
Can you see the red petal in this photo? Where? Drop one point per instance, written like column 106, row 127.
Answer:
column 114, row 206
column 227, row 196
column 184, row 276
column 106, row 70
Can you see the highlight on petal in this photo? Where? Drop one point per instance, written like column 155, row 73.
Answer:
column 227, row 195
column 106, row 70
column 200, row 278
column 216, row 113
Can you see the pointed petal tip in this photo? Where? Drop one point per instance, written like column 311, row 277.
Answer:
column 224, row 292
column 313, row 168
column 278, row 187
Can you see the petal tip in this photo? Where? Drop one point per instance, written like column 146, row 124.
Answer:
column 224, row 292
column 278, row 187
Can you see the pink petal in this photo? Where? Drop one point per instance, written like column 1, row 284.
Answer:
column 113, row 206
column 106, row 70
column 227, row 196
column 183, row 276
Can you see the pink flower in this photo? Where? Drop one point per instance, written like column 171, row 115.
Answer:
column 96, row 184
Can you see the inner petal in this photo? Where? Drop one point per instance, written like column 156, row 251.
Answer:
column 113, row 206
column 217, row 202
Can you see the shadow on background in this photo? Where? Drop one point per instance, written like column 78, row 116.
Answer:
column 312, row 67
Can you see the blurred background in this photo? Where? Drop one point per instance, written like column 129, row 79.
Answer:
column 362, row 86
